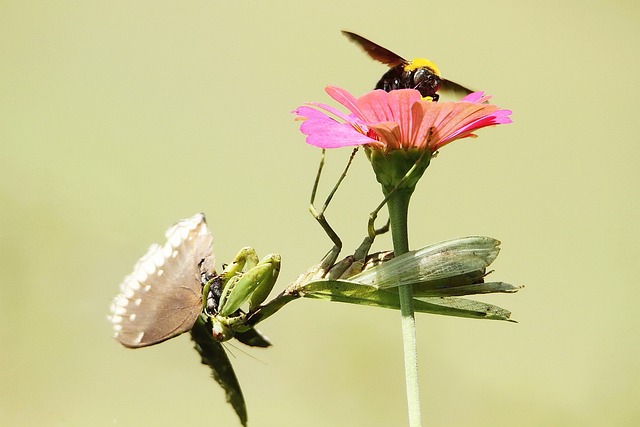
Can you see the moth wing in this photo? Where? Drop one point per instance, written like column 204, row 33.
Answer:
column 162, row 298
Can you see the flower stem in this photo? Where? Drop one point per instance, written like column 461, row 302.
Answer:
column 398, row 205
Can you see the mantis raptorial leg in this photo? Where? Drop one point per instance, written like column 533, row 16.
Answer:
column 363, row 250
column 372, row 231
column 332, row 255
column 245, row 280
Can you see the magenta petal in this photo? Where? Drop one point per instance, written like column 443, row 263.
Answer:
column 373, row 107
column 304, row 112
column 502, row 117
column 344, row 98
column 334, row 135
column 326, row 132
column 496, row 117
column 400, row 119
column 333, row 111
column 476, row 97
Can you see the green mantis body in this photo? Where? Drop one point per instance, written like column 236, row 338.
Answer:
column 177, row 283
column 245, row 281
column 438, row 274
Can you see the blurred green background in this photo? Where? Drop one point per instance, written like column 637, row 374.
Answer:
column 119, row 118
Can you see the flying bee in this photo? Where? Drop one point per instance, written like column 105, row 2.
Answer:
column 420, row 74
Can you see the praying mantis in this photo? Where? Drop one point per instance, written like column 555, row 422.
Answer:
column 174, row 288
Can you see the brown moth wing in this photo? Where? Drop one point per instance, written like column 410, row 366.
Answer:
column 162, row 298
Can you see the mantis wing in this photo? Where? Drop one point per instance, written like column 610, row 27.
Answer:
column 457, row 262
column 438, row 273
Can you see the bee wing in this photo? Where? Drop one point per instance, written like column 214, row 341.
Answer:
column 458, row 257
column 452, row 90
column 376, row 51
column 162, row 298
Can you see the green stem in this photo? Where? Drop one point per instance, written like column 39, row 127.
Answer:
column 398, row 205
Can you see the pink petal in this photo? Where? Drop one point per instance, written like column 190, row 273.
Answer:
column 502, row 117
column 325, row 132
column 476, row 98
column 401, row 119
column 397, row 107
column 336, row 135
column 400, row 105
column 372, row 107
column 389, row 133
column 343, row 97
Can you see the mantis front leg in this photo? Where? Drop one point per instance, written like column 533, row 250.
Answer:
column 245, row 281
column 332, row 255
column 352, row 263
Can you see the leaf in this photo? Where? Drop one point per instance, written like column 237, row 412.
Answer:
column 214, row 356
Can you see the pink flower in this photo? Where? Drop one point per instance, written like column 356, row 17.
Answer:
column 395, row 120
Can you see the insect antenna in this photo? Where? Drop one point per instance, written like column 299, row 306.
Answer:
column 228, row 344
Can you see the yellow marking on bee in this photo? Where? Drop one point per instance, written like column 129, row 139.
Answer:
column 418, row 63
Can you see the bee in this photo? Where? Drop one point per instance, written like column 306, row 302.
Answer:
column 420, row 74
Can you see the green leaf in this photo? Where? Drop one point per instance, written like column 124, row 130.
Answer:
column 214, row 356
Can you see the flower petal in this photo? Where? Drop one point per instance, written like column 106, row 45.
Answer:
column 326, row 132
column 476, row 98
column 389, row 133
column 401, row 119
column 344, row 98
